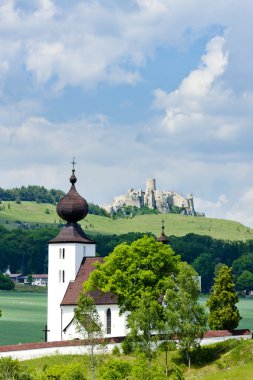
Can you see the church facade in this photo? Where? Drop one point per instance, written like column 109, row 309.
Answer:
column 71, row 255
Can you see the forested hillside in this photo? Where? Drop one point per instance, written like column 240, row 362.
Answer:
column 26, row 251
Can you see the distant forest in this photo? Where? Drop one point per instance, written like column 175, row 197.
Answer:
column 31, row 193
column 26, row 251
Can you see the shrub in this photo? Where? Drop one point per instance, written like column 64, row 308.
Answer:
column 115, row 369
column 74, row 371
column 127, row 346
column 12, row 369
column 116, row 351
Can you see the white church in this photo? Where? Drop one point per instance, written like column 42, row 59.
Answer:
column 71, row 255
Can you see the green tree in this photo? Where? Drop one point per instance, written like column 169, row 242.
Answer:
column 6, row 283
column 224, row 314
column 30, row 279
column 145, row 266
column 145, row 322
column 89, row 325
column 244, row 282
column 185, row 317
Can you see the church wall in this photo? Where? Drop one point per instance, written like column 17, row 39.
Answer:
column 64, row 263
column 118, row 322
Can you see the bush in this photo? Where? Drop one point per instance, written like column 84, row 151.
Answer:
column 74, row 371
column 127, row 346
column 6, row 283
column 115, row 369
column 12, row 369
column 116, row 351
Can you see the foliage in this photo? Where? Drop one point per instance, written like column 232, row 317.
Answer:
column 107, row 243
column 132, row 211
column 127, row 345
column 25, row 251
column 224, row 314
column 11, row 369
column 142, row 371
column 245, row 262
column 116, row 350
column 6, row 283
column 114, row 369
column 185, row 317
column 72, row 371
column 130, row 270
column 244, row 282
column 89, row 324
column 144, row 322
column 97, row 210
column 31, row 193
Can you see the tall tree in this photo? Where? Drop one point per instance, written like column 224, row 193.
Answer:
column 224, row 314
column 144, row 323
column 145, row 266
column 89, row 325
column 185, row 317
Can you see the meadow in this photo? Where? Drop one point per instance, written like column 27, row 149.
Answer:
column 24, row 316
column 38, row 214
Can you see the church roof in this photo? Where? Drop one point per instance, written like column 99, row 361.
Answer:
column 72, row 233
column 163, row 238
column 75, row 287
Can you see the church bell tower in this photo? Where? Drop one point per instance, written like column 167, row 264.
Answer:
column 65, row 254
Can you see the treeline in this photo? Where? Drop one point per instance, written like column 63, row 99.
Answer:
column 31, row 193
column 206, row 254
column 26, row 251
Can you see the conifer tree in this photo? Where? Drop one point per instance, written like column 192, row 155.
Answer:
column 224, row 314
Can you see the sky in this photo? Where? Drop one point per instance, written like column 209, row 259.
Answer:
column 132, row 89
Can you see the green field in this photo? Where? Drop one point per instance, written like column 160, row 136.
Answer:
column 178, row 225
column 24, row 316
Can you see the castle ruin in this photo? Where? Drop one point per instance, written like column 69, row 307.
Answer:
column 153, row 199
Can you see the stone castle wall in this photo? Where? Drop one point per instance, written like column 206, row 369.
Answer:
column 152, row 198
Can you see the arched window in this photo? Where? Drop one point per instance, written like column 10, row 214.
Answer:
column 108, row 321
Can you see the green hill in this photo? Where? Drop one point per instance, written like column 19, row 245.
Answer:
column 13, row 215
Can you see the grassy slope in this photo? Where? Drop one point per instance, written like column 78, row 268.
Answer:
column 235, row 364
column 177, row 225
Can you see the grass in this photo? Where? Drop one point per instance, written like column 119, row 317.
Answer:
column 178, row 225
column 24, row 316
column 233, row 361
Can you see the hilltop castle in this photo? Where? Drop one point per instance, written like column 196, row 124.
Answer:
column 162, row 201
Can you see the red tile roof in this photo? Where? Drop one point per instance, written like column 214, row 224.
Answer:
column 76, row 287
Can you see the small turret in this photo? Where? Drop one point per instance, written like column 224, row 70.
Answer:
column 163, row 238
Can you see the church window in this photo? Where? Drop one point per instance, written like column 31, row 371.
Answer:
column 108, row 321
column 62, row 253
column 61, row 276
column 83, row 250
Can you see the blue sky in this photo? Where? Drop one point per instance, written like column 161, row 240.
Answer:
column 133, row 89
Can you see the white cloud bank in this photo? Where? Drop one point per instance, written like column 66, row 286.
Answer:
column 198, row 137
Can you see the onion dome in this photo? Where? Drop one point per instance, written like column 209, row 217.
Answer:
column 72, row 207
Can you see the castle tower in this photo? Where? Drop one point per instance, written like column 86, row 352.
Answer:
column 150, row 185
column 191, row 204
column 65, row 254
